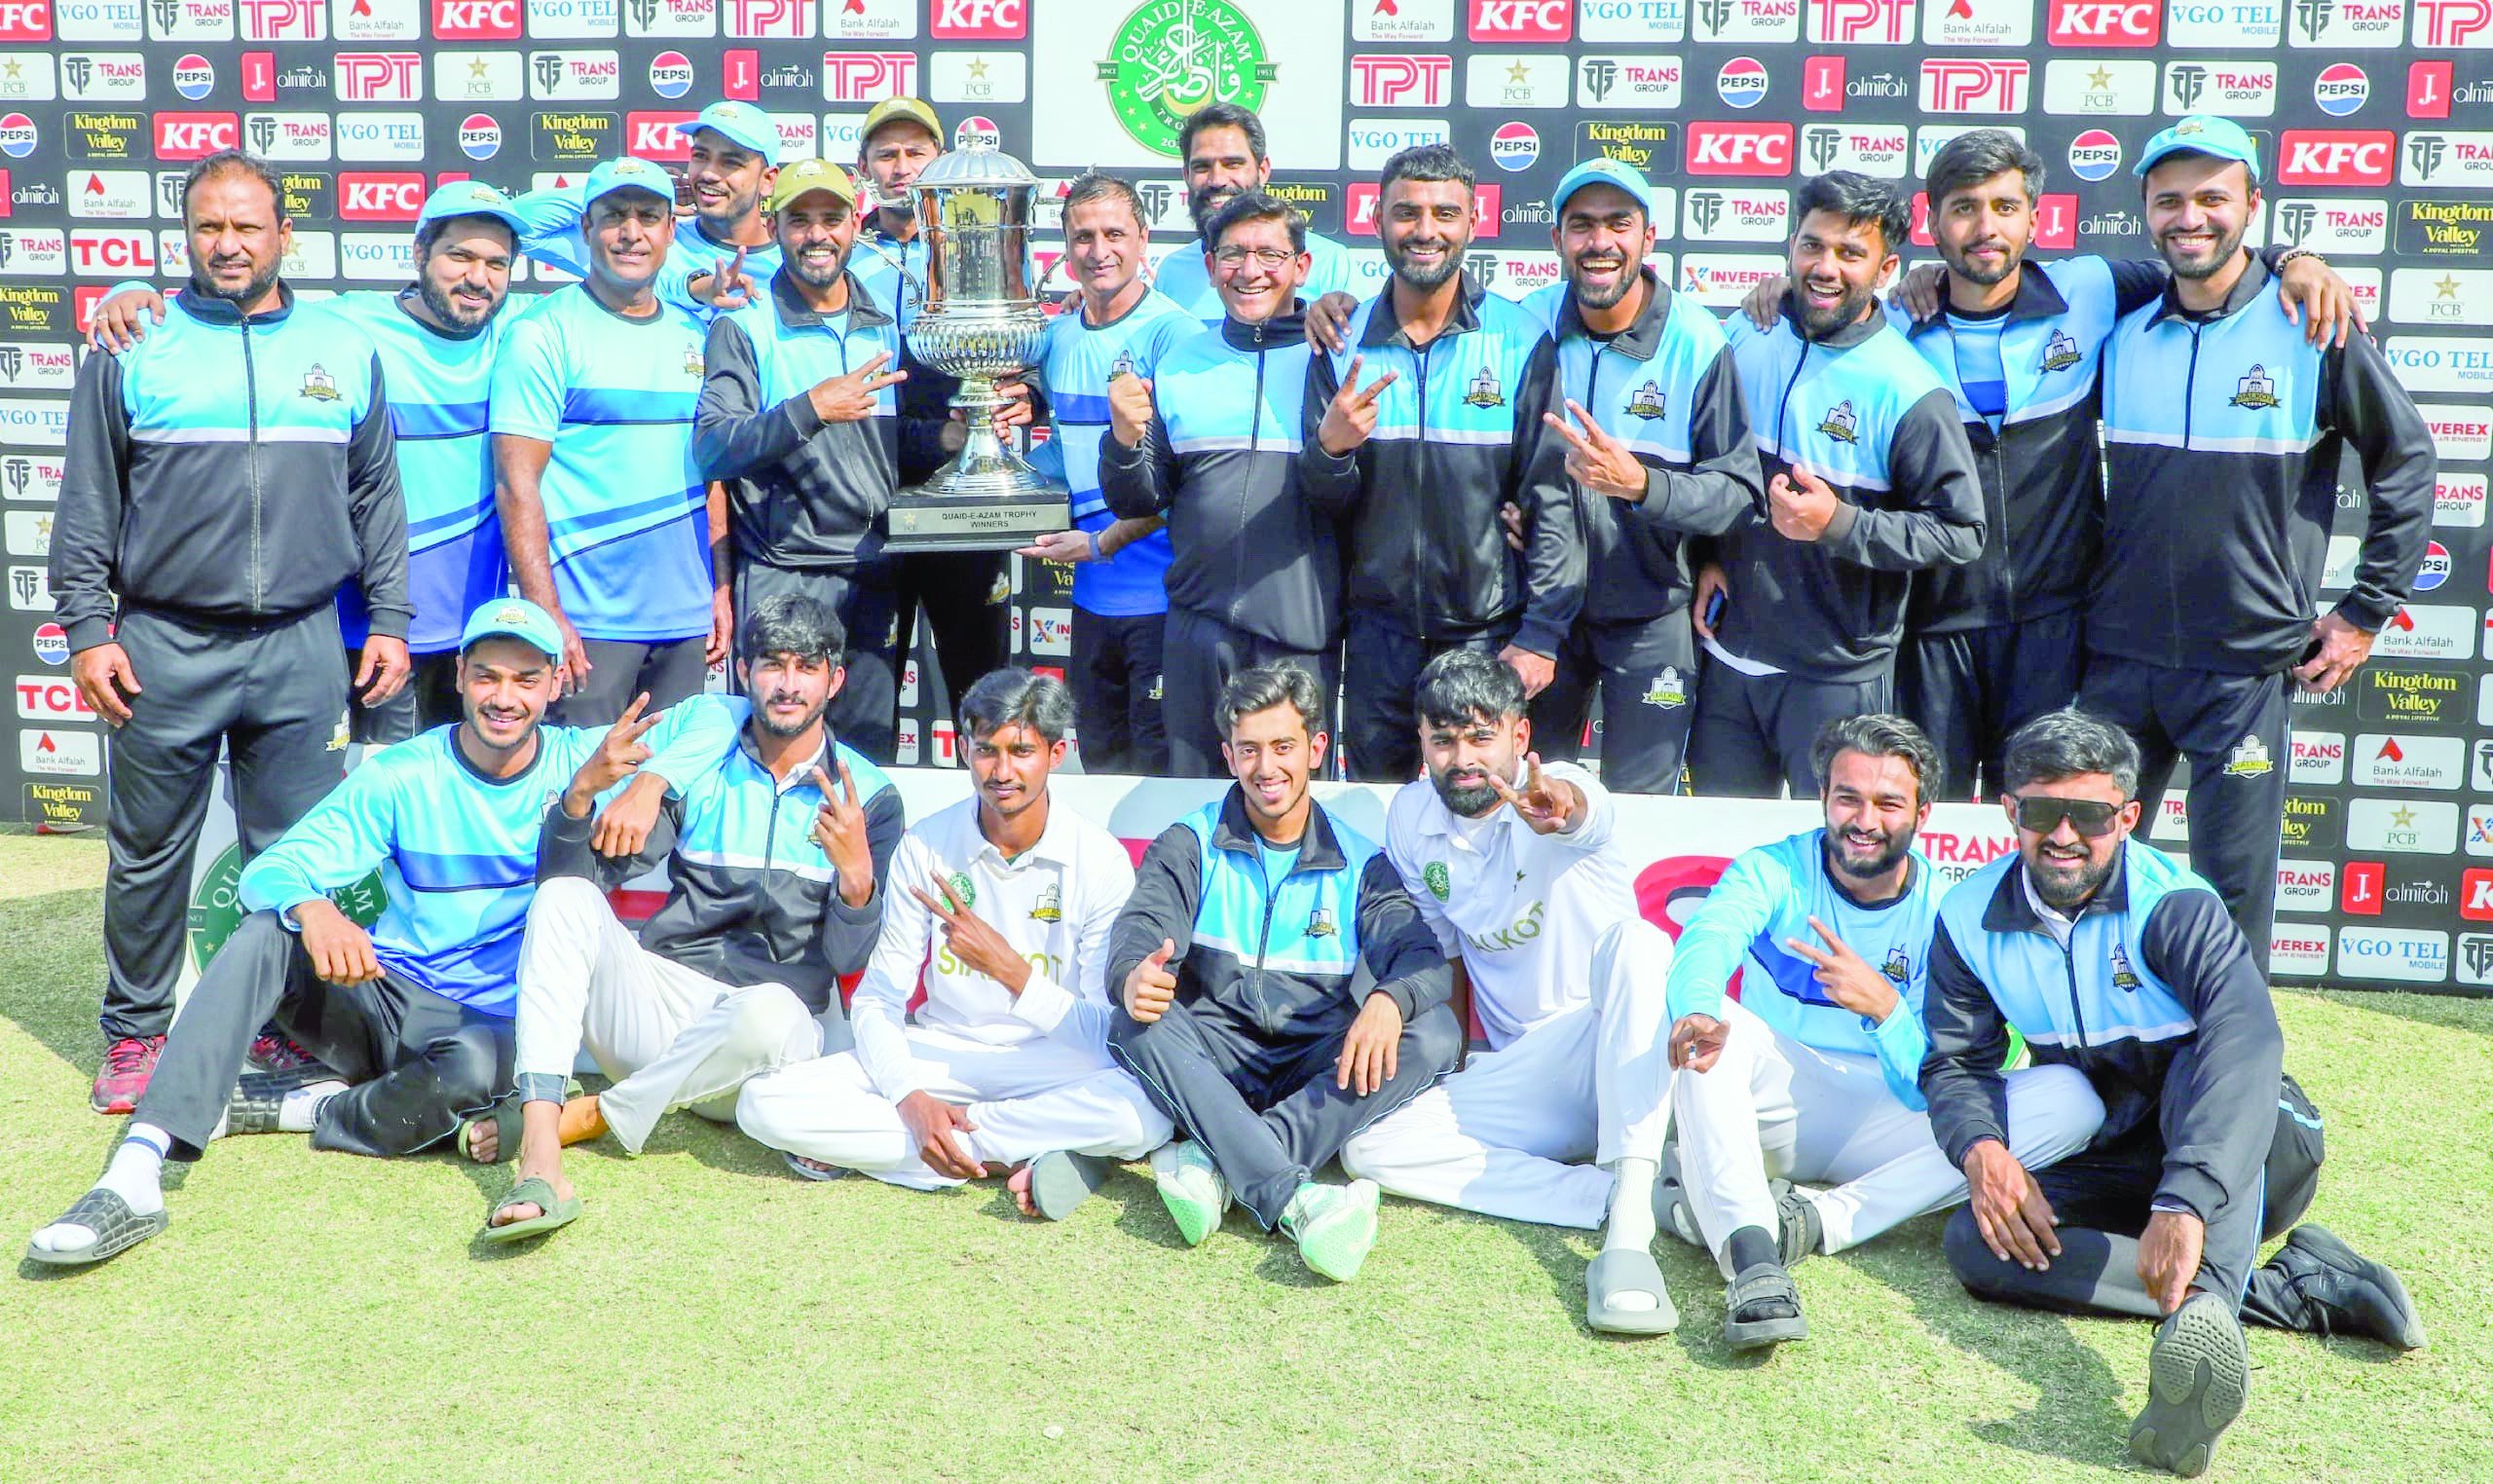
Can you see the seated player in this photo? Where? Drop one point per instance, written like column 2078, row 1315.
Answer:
column 1810, row 1074
column 771, row 894
column 2117, row 963
column 1005, row 901
column 414, row 1016
column 1239, row 959
column 1520, row 872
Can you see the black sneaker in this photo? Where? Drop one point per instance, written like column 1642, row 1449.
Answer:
column 2344, row 1292
column 2198, row 1379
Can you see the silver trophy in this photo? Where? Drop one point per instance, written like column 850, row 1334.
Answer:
column 980, row 322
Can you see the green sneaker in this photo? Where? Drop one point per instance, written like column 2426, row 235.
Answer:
column 1191, row 1187
column 1334, row 1225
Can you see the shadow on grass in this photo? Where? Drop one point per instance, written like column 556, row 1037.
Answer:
column 1142, row 1216
column 2471, row 1012
column 52, row 970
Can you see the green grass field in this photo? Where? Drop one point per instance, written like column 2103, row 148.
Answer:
column 320, row 1317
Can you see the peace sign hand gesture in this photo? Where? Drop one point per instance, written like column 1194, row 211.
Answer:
column 1847, row 977
column 726, row 288
column 1596, row 459
column 1350, row 416
column 619, row 756
column 840, row 829
column 850, row 398
column 979, row 947
column 1550, row 806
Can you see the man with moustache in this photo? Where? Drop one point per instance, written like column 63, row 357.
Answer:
column 999, row 909
column 1209, row 442
column 413, row 1015
column 2200, row 611
column 1520, row 872
column 1809, row 1075
column 799, row 417
column 1118, row 332
column 1417, row 464
column 437, row 340
column 774, row 889
column 1222, row 145
column 2117, row 963
column 1240, row 956
column 605, row 512
column 1660, row 448
column 254, row 434
column 1869, row 481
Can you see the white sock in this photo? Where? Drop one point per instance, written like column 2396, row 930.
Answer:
column 1632, row 1204
column 135, row 1174
column 299, row 1109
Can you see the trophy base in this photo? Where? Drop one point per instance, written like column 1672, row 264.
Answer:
column 923, row 520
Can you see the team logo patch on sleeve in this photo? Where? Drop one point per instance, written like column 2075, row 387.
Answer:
column 2248, row 760
column 2059, row 353
column 1668, row 692
column 1485, row 391
column 1439, row 880
column 1647, row 402
column 1050, row 907
column 1842, row 425
column 2255, row 390
column 319, row 385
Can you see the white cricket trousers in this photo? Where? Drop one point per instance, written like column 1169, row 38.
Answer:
column 1504, row 1135
column 1771, row 1106
column 669, row 1036
column 1033, row 1098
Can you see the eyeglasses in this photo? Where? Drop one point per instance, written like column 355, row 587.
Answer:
column 1265, row 257
column 2091, row 817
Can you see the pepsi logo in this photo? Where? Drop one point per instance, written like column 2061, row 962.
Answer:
column 2094, row 154
column 670, row 74
column 976, row 132
column 480, row 136
column 52, row 644
column 1741, row 82
column 193, row 77
column 1514, row 146
column 2436, row 570
column 16, row 135
column 2340, row 88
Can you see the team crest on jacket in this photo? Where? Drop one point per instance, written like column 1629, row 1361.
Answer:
column 1123, row 365
column 1842, row 425
column 2255, row 390
column 1897, row 968
column 1485, row 391
column 2122, row 976
column 2059, row 353
column 1647, row 402
column 2250, row 760
column 1439, row 880
column 692, row 362
column 1050, row 907
column 1320, row 923
column 1668, row 692
column 965, row 889
column 319, row 385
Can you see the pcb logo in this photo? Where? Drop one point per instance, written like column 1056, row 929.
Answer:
column 1172, row 56
column 1440, row 882
column 216, row 907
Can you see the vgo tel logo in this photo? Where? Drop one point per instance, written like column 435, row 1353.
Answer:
column 26, row 20
column 2340, row 88
column 2335, row 157
column 2107, row 23
column 1521, row 20
column 1740, row 149
column 2467, row 23
column 380, row 77
column 475, row 20
column 867, row 77
column 1397, row 80
column 1966, row 84
column 380, row 196
column 979, row 20
column 1862, row 22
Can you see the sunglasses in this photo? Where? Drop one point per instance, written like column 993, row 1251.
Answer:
column 2091, row 817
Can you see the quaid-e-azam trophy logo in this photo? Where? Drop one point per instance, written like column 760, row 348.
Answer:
column 217, row 904
column 1170, row 57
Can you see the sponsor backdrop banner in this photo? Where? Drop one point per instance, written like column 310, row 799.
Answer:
column 2375, row 118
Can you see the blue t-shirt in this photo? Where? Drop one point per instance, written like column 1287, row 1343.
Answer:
column 626, row 517
column 1081, row 359
column 1278, row 861
column 439, row 388
column 550, row 234
column 1980, row 372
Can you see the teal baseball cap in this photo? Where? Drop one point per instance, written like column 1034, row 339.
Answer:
column 748, row 126
column 469, row 197
column 1602, row 171
column 513, row 618
column 2202, row 134
column 629, row 173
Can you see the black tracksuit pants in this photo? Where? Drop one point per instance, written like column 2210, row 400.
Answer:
column 1381, row 667
column 1968, row 689
column 1198, row 655
column 417, row 1060
column 1117, row 689
column 865, row 713
column 1646, row 675
column 1752, row 733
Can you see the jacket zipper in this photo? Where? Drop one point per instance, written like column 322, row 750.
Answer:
column 1783, row 409
column 1420, row 486
column 2068, row 964
column 1254, row 432
column 251, row 401
column 1272, row 900
column 1999, row 482
column 2189, row 415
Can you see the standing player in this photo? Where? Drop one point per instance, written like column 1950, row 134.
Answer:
column 1222, row 144
column 799, row 417
column 1660, row 445
column 1521, row 874
column 604, row 511
column 1416, row 463
column 999, row 907
column 223, row 479
column 1117, row 332
column 1870, row 481
column 1211, row 444
column 1810, row 1073
column 2200, row 611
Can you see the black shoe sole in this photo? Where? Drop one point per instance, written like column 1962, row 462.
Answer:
column 2198, row 1381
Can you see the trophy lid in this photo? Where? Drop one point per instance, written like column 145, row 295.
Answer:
column 990, row 168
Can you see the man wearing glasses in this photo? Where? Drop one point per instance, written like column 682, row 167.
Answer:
column 2110, row 957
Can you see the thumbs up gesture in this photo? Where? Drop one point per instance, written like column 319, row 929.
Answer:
column 1150, row 988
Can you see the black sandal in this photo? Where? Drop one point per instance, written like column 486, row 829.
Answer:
column 116, row 1226
column 1756, row 1288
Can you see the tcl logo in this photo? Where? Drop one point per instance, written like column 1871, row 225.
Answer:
column 380, row 196
column 2107, row 23
column 475, row 20
column 196, row 136
column 2476, row 896
column 2359, row 887
column 979, row 20
column 26, row 20
column 1740, row 149
column 1522, row 19
column 2327, row 157
column 96, row 254
column 1359, row 207
column 1401, row 81
column 658, row 135
column 41, row 698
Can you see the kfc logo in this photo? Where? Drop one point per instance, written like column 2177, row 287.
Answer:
column 26, row 20
column 1740, row 149
column 380, row 77
column 196, row 136
column 380, row 196
column 658, row 135
column 2475, row 895
column 979, row 20
column 1522, row 19
column 475, row 20
column 1963, row 84
column 2107, row 23
column 867, row 77
column 2328, row 156
column 1401, row 81
column 1359, row 207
